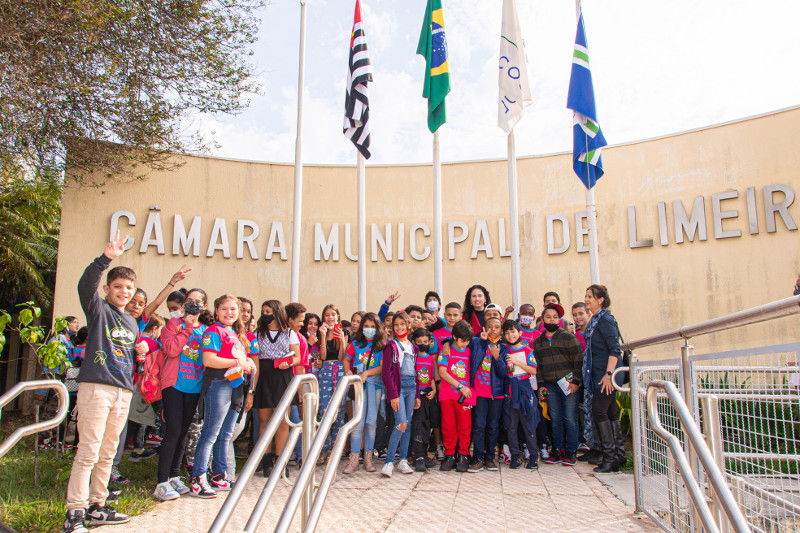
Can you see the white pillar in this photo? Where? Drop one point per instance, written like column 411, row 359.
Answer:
column 513, row 213
column 437, row 217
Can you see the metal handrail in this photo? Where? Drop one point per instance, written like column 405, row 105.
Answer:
column 617, row 370
column 762, row 313
column 310, row 459
column 257, row 454
column 721, row 495
column 24, row 431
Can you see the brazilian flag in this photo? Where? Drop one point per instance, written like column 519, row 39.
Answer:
column 433, row 45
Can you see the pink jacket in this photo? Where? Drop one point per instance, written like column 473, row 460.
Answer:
column 174, row 337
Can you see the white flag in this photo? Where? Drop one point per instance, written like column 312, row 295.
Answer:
column 515, row 92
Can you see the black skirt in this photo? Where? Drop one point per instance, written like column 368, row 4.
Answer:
column 272, row 384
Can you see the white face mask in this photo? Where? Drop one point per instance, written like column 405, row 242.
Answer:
column 525, row 320
column 433, row 306
column 176, row 314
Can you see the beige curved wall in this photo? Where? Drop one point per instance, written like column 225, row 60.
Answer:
column 653, row 288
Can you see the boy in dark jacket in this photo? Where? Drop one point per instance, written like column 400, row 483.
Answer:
column 487, row 375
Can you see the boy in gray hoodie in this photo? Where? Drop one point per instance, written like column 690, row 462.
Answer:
column 105, row 388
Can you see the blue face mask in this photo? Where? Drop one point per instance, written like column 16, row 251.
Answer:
column 369, row 333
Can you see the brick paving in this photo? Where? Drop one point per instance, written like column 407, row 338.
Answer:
column 554, row 498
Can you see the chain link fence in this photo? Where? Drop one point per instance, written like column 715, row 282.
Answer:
column 759, row 413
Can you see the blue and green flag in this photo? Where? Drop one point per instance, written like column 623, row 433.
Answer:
column 587, row 138
column 433, row 45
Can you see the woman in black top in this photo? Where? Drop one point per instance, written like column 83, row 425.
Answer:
column 602, row 357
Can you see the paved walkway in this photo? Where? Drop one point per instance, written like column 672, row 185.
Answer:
column 556, row 498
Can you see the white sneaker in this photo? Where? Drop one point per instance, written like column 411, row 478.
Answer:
column 404, row 468
column 388, row 468
column 179, row 486
column 165, row 492
column 440, row 452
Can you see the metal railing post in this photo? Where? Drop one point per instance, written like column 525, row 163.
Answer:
column 44, row 425
column 636, row 434
column 714, row 441
column 687, row 386
column 716, row 478
column 310, row 406
column 257, row 454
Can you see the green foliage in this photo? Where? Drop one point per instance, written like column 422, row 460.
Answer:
column 624, row 406
column 41, row 509
column 30, row 217
column 104, row 87
column 52, row 354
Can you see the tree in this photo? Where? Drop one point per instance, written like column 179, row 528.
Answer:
column 105, row 87
column 30, row 213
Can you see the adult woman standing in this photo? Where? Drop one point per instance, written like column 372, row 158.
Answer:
column 275, row 341
column 602, row 357
column 475, row 302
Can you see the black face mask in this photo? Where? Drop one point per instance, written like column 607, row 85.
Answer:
column 551, row 327
column 423, row 348
column 193, row 308
column 267, row 319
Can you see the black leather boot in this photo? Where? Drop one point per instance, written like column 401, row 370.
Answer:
column 606, row 435
column 595, row 454
column 619, row 443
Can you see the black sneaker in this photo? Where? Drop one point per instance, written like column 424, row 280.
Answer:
column 553, row 457
column 419, row 465
column 475, row 466
column 463, row 464
column 146, row 454
column 113, row 494
column 533, row 463
column 448, row 464
column 430, row 463
column 569, row 459
column 382, row 453
column 514, row 464
column 105, row 515
column 75, row 522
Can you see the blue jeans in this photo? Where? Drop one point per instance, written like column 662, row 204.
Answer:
column 373, row 392
column 486, row 427
column 408, row 393
column 218, row 423
column 294, row 416
column 564, row 417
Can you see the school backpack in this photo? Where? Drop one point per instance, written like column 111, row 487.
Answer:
column 150, row 381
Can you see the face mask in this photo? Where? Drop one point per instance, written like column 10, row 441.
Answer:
column 423, row 348
column 526, row 321
column 193, row 308
column 494, row 340
column 369, row 333
column 267, row 319
column 403, row 336
column 433, row 306
column 176, row 314
column 551, row 327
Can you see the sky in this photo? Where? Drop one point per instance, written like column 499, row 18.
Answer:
column 658, row 68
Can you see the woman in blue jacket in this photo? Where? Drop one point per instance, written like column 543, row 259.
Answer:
column 601, row 358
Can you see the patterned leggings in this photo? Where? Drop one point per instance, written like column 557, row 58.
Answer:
column 329, row 376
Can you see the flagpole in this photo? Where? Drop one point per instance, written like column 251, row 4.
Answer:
column 362, row 232
column 591, row 211
column 294, row 291
column 437, row 217
column 513, row 211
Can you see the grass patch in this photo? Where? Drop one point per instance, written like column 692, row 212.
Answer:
column 31, row 509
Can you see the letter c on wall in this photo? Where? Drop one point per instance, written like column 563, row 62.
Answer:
column 128, row 244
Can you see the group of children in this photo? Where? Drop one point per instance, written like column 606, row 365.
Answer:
column 455, row 382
